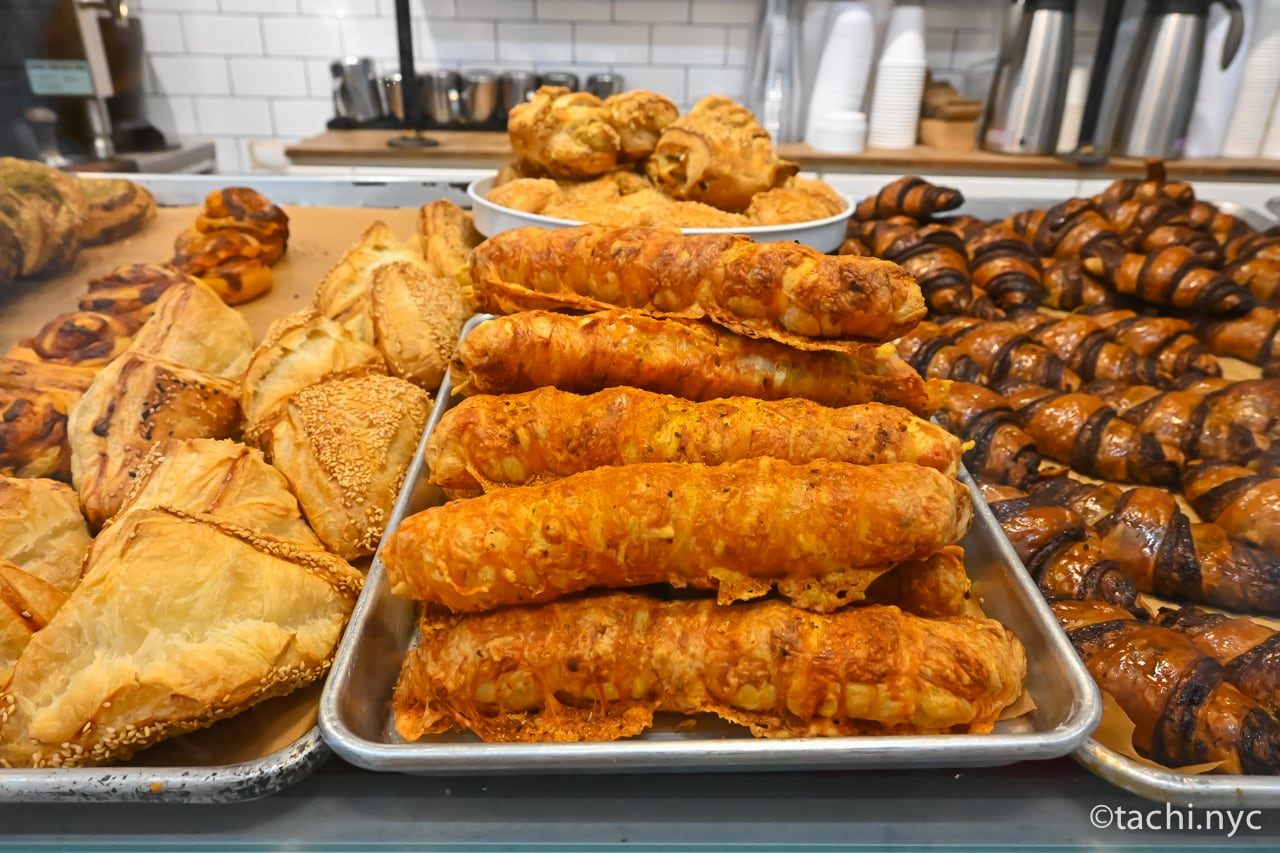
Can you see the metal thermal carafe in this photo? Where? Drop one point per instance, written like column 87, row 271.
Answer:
column 1029, row 88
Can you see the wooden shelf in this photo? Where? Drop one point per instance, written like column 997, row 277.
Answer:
column 484, row 149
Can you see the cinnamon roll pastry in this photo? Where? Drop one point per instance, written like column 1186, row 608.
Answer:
column 345, row 446
column 133, row 403
column 131, row 290
column 243, row 209
column 233, row 263
column 298, row 351
column 222, row 479
column 150, row 646
column 33, row 434
column 191, row 326
column 114, row 209
column 42, row 531
column 84, row 338
column 27, row 604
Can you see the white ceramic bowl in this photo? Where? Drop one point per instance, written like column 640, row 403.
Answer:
column 825, row 235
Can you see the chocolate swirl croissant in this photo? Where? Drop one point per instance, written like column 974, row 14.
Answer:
column 934, row 255
column 600, row 667
column 939, row 358
column 1081, row 430
column 1148, row 226
column 1168, row 340
column 1184, row 709
column 1067, row 286
column 1065, row 230
column 1249, row 652
column 908, row 196
column 1002, row 450
column 1064, row 556
column 1006, row 267
column 1174, row 276
column 1250, row 337
column 1088, row 349
column 1241, row 501
column 1000, row 349
column 1177, row 559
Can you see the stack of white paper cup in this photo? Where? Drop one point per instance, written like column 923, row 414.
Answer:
column 840, row 84
column 1258, row 82
column 838, row 131
column 899, row 84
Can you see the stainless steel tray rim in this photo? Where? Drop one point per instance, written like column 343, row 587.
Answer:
column 678, row 754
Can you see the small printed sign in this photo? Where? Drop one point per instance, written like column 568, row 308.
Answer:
column 59, row 77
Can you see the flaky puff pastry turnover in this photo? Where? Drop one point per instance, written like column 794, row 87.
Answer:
column 181, row 620
column 739, row 528
column 784, row 292
column 345, row 446
column 417, row 317
column 42, row 531
column 598, row 668
column 487, row 442
column 27, row 604
column 222, row 479
column 133, row 403
column 193, row 327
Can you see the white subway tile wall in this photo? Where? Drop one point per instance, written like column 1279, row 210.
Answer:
column 241, row 70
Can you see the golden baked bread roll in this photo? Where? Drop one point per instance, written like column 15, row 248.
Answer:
column 719, row 154
column 801, row 200
column 345, row 446
column 83, row 338
column 222, row 479
column 233, row 263
column 564, row 134
column 781, row 291
column 639, row 116
column 135, row 402
column 27, row 604
column 132, row 290
column 486, row 443
column 346, row 294
column 684, row 358
column 448, row 234
column 193, row 327
column 598, row 668
column 299, row 350
column 677, row 523
column 243, row 209
column 42, row 531
column 114, row 209
column 180, row 621
column 33, row 433
column 417, row 317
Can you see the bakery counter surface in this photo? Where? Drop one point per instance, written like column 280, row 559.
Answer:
column 1026, row 806
column 490, row 149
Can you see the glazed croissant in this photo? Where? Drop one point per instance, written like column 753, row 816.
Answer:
column 1240, row 500
column 1006, row 267
column 486, row 442
column 1260, row 274
column 1151, row 225
column 686, row 359
column 908, row 196
column 599, row 667
column 1001, row 450
column 718, row 154
column 1000, row 349
column 1067, row 286
column 1174, row 276
column 1081, row 430
column 1168, row 340
column 1183, row 419
column 677, row 523
column 1089, row 350
column 1253, row 404
column 781, row 291
column 934, row 255
column 1245, row 649
column 1064, row 556
column 1065, row 230
column 938, row 358
column 1155, row 186
column 1250, row 337
column 1183, row 708
column 1177, row 559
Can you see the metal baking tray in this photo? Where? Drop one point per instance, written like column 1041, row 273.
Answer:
column 355, row 714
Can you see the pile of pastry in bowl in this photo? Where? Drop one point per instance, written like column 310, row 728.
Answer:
column 633, row 160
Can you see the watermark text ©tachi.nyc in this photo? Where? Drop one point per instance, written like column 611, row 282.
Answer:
column 1174, row 818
